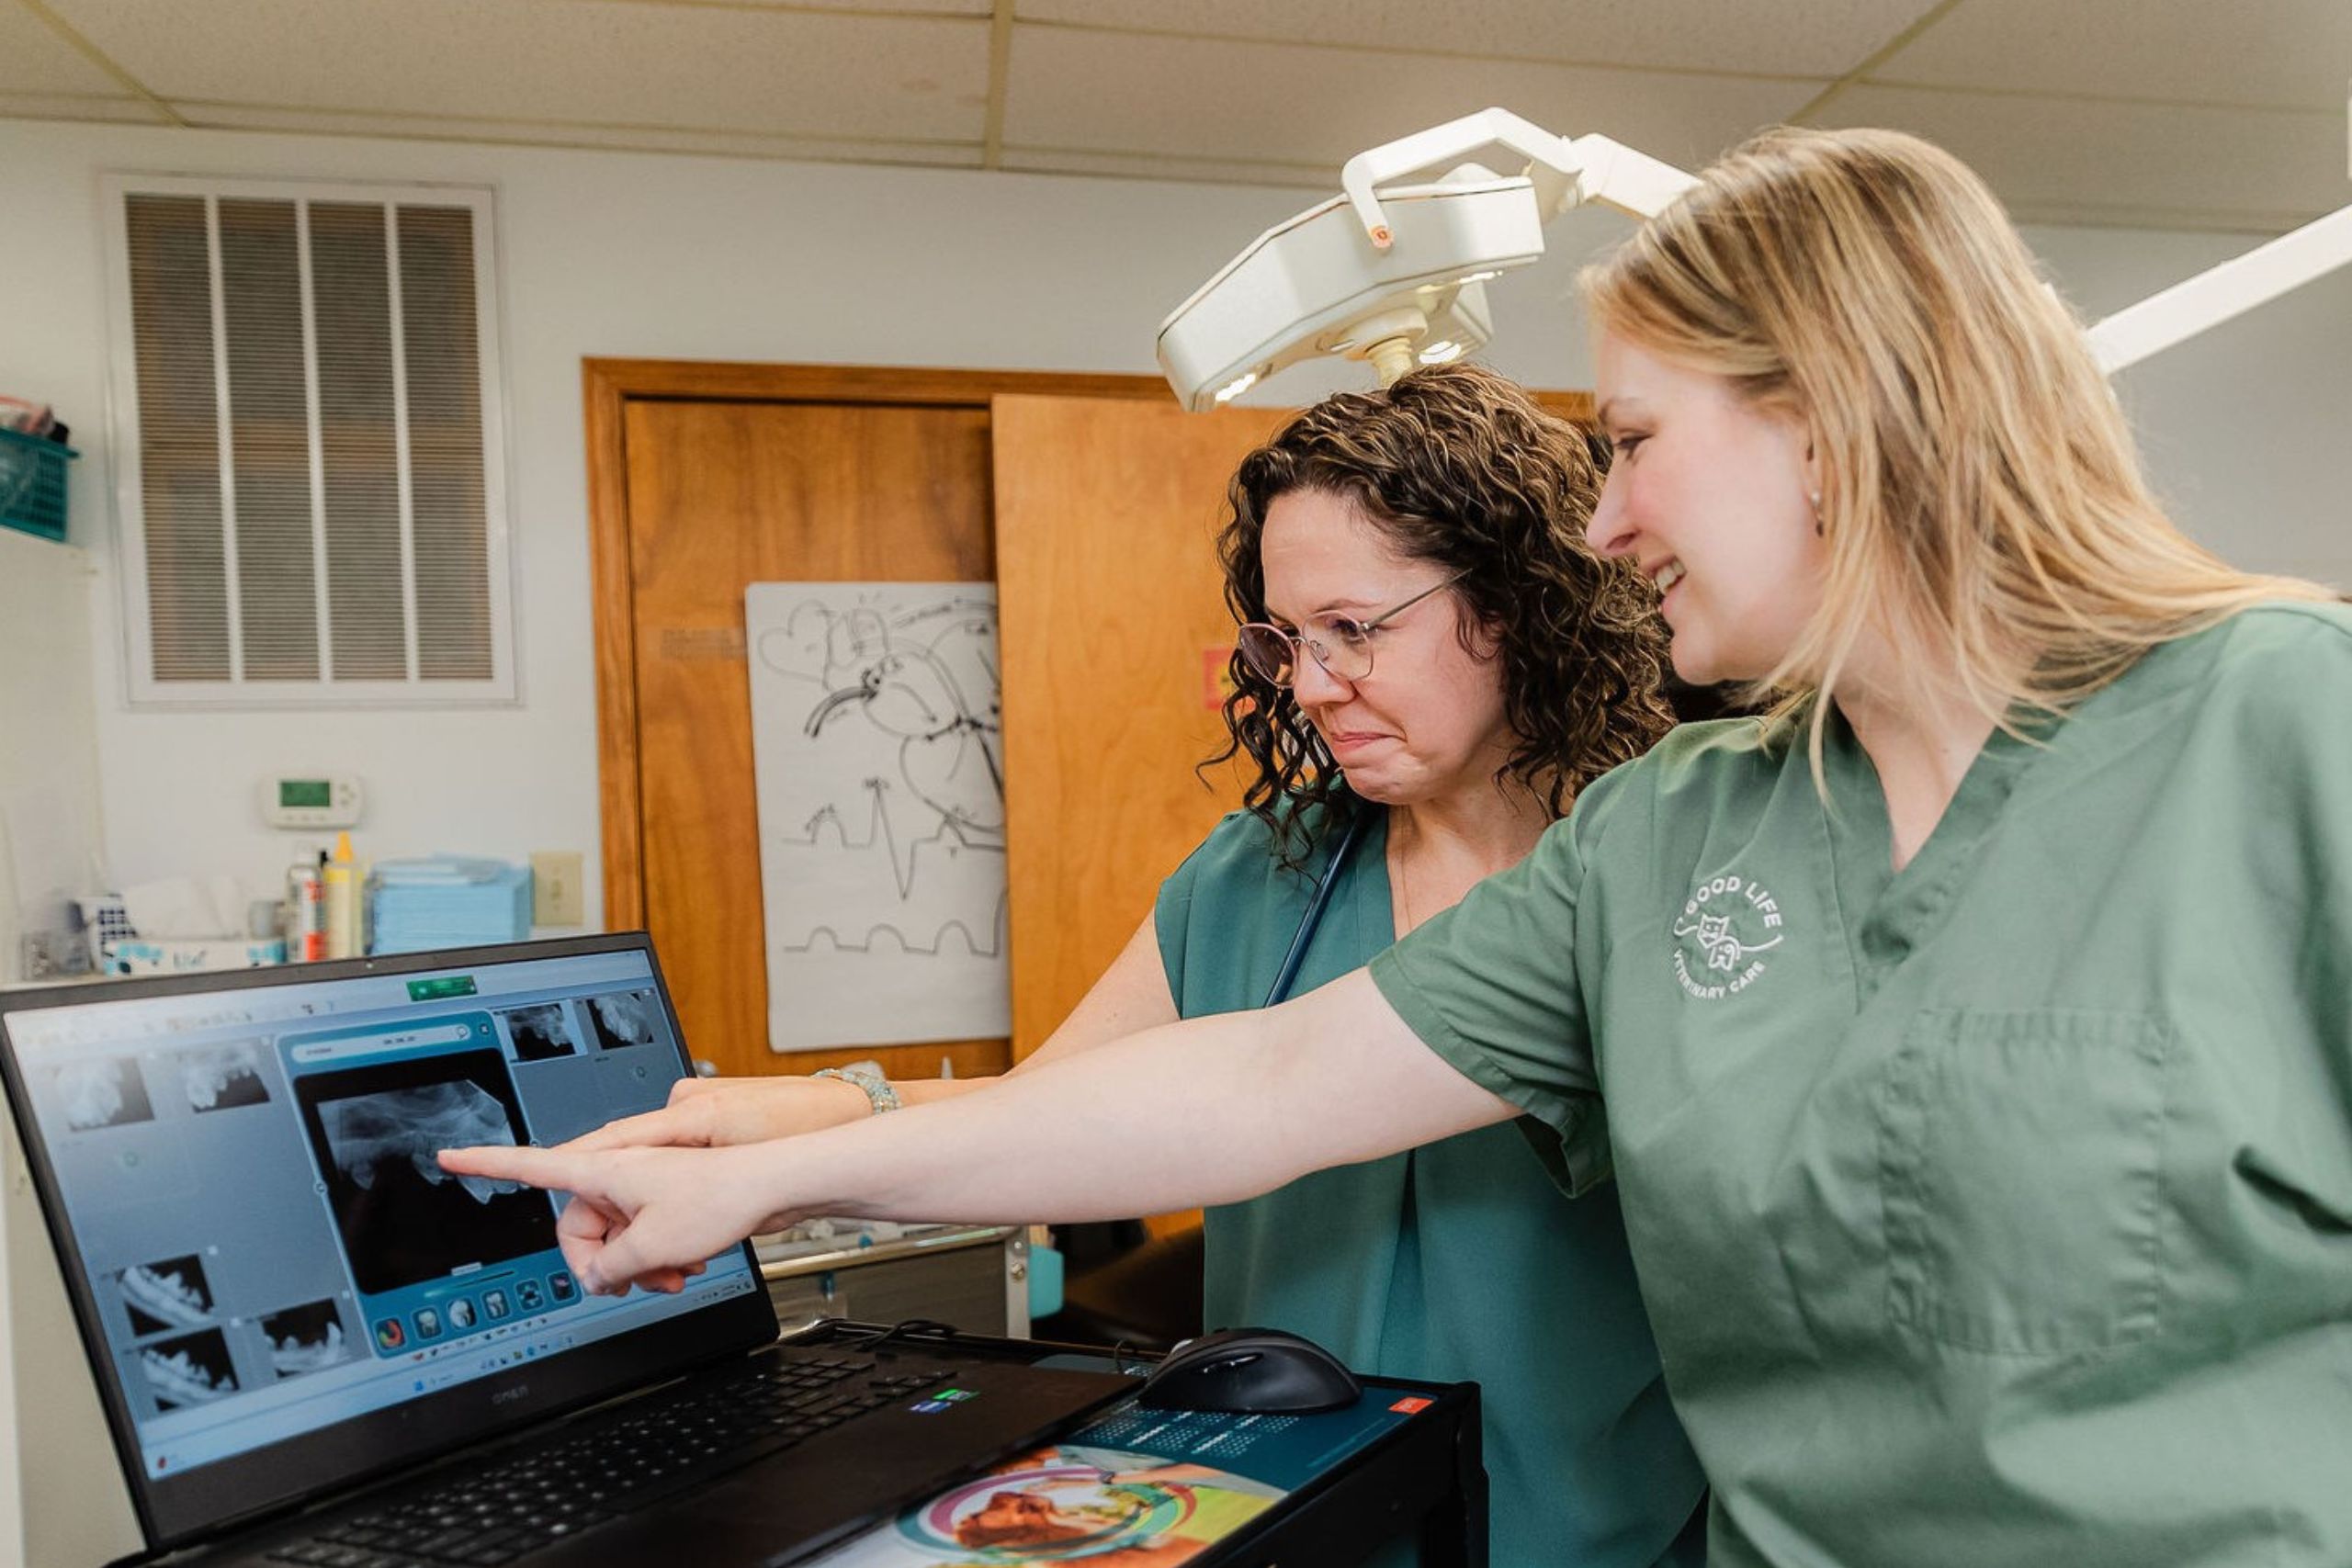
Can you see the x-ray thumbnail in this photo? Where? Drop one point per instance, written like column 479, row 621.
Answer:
column 103, row 1093
column 377, row 1131
column 624, row 1018
column 162, row 1296
column 192, row 1369
column 223, row 1077
column 540, row 1034
column 306, row 1338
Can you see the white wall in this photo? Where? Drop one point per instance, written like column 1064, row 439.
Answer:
column 614, row 253
column 49, row 752
column 2244, row 429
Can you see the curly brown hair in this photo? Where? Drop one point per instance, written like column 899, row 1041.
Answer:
column 1456, row 466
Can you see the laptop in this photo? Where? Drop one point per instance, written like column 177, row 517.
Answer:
column 315, row 1346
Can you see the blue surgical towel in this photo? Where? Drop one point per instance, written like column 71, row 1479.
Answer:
column 447, row 901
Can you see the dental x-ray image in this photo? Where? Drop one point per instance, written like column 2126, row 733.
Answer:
column 306, row 1340
column 167, row 1295
column 192, row 1369
column 222, row 1078
column 540, row 1034
column 624, row 1019
column 375, row 1132
column 105, row 1091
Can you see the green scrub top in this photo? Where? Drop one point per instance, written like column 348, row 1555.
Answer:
column 1998, row 1211
column 1458, row 1261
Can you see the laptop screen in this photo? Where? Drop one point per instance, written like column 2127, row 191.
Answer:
column 283, row 1288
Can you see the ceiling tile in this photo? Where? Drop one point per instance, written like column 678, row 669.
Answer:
column 1821, row 38
column 738, row 144
column 872, row 7
column 704, row 67
column 34, row 59
column 80, row 106
column 2287, row 53
column 2064, row 161
column 1294, row 103
column 1151, row 166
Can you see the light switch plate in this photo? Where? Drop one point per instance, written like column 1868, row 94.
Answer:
column 556, row 898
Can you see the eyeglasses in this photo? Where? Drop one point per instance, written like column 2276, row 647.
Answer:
column 1341, row 644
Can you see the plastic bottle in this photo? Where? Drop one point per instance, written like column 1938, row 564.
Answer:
column 306, row 926
column 341, row 879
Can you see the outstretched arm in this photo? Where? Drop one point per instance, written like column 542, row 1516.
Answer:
column 1209, row 1110
column 1131, row 995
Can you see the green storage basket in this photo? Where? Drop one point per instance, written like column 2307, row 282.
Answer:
column 32, row 484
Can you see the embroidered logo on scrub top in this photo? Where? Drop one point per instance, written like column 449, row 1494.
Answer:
column 1713, row 956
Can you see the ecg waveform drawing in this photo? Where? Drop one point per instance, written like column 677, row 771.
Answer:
column 877, row 739
column 878, row 836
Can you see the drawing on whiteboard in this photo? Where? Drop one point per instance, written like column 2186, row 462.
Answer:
column 877, row 740
column 952, row 834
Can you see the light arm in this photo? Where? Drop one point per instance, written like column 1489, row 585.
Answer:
column 1564, row 173
column 2216, row 295
column 1633, row 183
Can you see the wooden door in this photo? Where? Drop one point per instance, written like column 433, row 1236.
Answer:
column 1088, row 497
column 705, row 478
column 1115, row 635
column 722, row 495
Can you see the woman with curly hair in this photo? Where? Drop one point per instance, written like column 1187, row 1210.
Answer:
column 1430, row 665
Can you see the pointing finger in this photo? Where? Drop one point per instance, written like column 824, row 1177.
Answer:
column 553, row 1168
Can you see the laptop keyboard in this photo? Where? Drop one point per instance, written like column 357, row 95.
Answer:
column 532, row 1499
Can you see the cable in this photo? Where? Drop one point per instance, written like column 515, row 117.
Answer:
column 1314, row 915
column 926, row 1328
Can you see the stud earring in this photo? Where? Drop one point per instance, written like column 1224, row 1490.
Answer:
column 1816, row 512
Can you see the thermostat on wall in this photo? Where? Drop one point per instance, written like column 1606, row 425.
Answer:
column 324, row 800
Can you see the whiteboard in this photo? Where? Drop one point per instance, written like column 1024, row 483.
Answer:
column 877, row 745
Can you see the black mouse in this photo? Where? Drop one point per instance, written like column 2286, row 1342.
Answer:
column 1250, row 1372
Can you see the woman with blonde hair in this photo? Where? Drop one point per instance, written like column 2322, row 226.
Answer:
column 1972, row 1030
column 1430, row 664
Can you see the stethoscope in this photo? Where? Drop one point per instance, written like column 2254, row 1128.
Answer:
column 1315, row 904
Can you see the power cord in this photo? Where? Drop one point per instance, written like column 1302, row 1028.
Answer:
column 911, row 1328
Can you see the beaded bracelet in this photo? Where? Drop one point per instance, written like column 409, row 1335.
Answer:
column 878, row 1087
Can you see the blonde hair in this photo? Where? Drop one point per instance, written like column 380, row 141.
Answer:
column 1980, row 494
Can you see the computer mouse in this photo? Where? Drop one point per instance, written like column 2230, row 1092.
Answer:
column 1250, row 1372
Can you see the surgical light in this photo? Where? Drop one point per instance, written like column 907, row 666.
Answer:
column 1392, row 271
